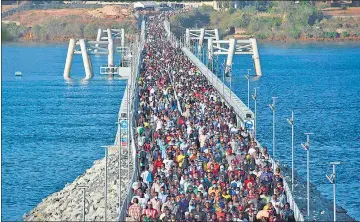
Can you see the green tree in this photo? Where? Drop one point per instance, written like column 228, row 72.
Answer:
column 90, row 31
column 39, row 32
column 4, row 35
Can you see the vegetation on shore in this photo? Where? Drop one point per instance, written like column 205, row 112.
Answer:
column 281, row 20
column 59, row 29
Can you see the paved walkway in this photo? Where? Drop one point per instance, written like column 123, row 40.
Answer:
column 196, row 165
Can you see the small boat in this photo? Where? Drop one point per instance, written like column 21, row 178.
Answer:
column 18, row 73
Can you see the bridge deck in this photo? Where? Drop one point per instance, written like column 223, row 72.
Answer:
column 239, row 107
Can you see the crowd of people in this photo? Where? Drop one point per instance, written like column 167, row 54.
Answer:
column 195, row 163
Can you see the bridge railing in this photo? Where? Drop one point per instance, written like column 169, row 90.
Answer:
column 204, row 70
column 289, row 197
column 134, row 104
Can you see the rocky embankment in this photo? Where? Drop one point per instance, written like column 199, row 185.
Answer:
column 321, row 208
column 67, row 204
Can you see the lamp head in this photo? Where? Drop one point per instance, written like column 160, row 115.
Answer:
column 290, row 121
column 330, row 178
column 272, row 107
column 336, row 163
column 306, row 146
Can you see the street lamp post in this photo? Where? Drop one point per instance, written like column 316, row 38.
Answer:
column 272, row 107
column 291, row 122
column 248, row 79
column 223, row 78
column 230, row 72
column 83, row 187
column 106, row 189
column 332, row 179
column 119, row 163
column 306, row 146
column 203, row 54
column 254, row 96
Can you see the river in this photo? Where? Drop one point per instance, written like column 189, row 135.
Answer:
column 53, row 131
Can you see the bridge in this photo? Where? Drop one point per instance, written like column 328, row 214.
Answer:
column 243, row 113
column 127, row 143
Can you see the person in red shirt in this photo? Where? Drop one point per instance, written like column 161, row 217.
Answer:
column 221, row 213
column 249, row 179
column 216, row 169
column 157, row 165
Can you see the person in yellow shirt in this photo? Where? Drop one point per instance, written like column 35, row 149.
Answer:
column 214, row 189
column 226, row 195
column 180, row 158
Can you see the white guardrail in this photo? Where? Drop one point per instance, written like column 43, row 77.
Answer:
column 135, row 101
column 207, row 73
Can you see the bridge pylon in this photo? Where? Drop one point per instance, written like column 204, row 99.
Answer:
column 233, row 47
column 200, row 35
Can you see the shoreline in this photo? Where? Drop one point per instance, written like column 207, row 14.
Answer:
column 312, row 40
column 301, row 40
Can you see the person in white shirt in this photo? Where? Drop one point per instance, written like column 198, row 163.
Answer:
column 162, row 195
column 168, row 163
column 202, row 139
column 144, row 175
column 156, row 185
column 251, row 150
column 152, row 91
column 276, row 203
column 159, row 124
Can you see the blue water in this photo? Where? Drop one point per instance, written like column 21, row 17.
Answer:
column 52, row 131
column 321, row 83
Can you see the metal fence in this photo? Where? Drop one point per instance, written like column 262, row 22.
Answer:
column 290, row 199
column 135, row 101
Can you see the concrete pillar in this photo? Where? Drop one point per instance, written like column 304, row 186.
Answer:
column 111, row 52
column 210, row 49
column 217, row 37
column 122, row 38
column 187, row 38
column 232, row 43
column 201, row 40
column 69, row 58
column 98, row 38
column 86, row 60
column 256, row 57
column 108, row 31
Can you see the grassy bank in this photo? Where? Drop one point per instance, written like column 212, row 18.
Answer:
column 271, row 21
column 58, row 25
column 57, row 30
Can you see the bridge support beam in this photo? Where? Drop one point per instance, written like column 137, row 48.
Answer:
column 86, row 60
column 217, row 37
column 122, row 38
column 69, row 58
column 111, row 52
column 201, row 40
column 187, row 38
column 256, row 57
column 230, row 56
column 210, row 55
column 98, row 38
